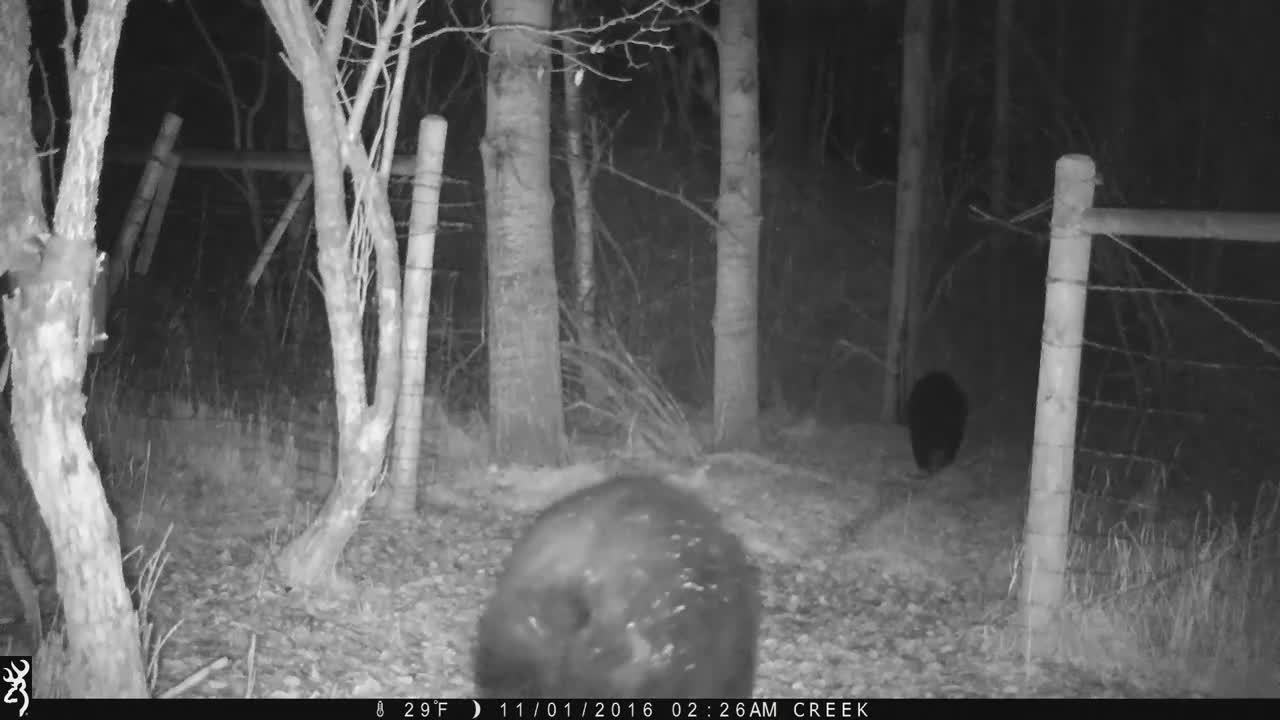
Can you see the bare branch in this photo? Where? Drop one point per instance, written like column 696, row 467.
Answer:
column 391, row 120
column 69, row 47
column 377, row 60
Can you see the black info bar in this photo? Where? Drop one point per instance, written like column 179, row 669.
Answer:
column 713, row 709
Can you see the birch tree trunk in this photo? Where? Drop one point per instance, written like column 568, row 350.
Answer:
column 525, row 409
column 49, row 321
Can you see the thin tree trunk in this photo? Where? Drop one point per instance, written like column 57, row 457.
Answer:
column 525, row 408
column 580, row 179
column 311, row 558
column 580, row 154
column 48, row 320
column 736, row 322
column 918, row 24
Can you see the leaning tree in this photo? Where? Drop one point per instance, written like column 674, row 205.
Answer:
column 355, row 247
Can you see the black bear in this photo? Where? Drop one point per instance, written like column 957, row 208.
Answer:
column 629, row 588
column 936, row 415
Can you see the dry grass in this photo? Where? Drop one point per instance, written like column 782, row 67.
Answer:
column 1189, row 597
column 53, row 662
column 1180, row 600
column 216, row 446
column 619, row 392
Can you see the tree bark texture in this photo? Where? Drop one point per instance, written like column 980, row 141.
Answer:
column 525, row 409
column 905, row 290
column 736, row 324
column 49, row 323
column 363, row 428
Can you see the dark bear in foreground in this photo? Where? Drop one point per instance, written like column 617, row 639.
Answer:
column 629, row 588
column 936, row 415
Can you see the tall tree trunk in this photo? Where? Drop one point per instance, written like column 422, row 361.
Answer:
column 525, row 409
column 905, row 298
column 363, row 427
column 736, row 322
column 580, row 179
column 48, row 320
column 581, row 156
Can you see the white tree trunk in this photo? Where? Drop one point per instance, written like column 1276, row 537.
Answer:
column 49, row 322
column 363, row 427
column 736, row 391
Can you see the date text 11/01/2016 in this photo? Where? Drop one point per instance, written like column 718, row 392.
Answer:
column 627, row 709
column 475, row 709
